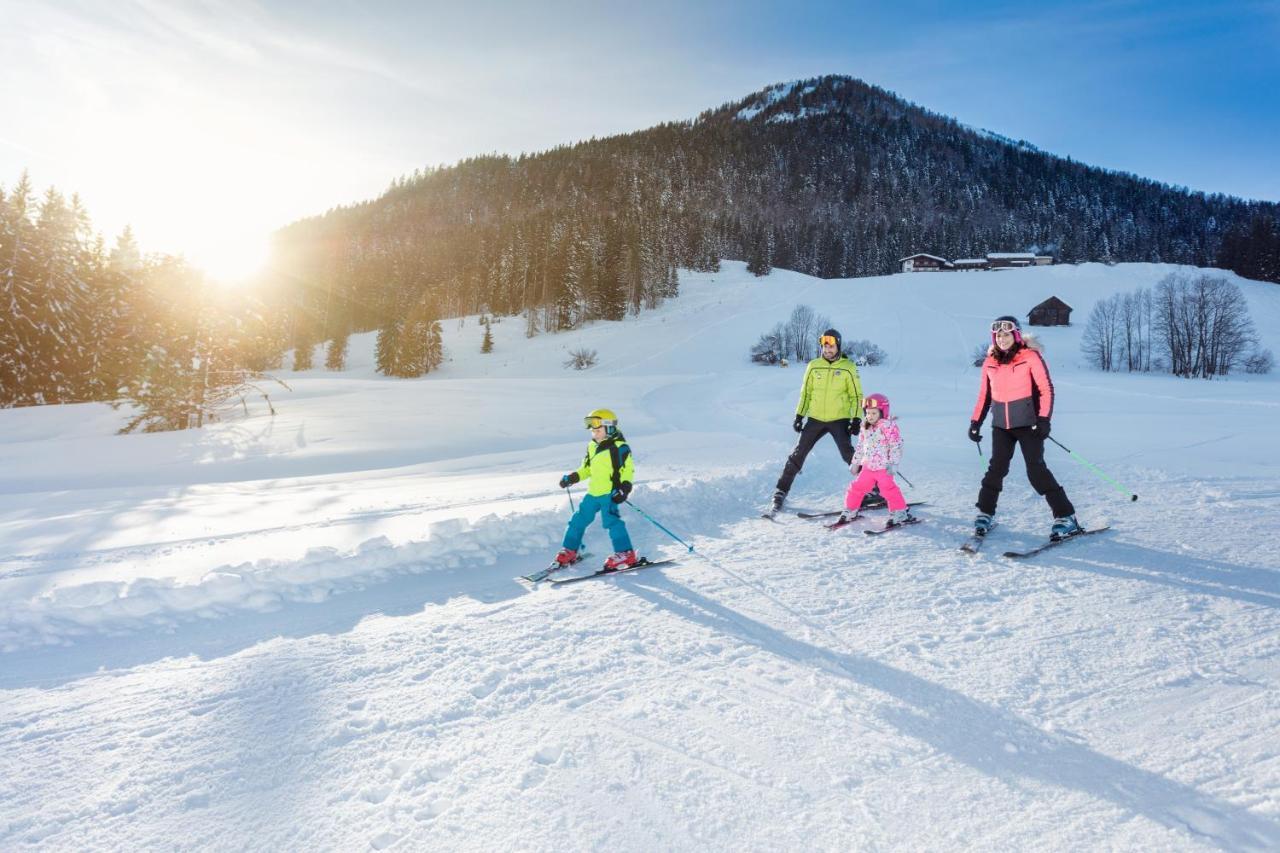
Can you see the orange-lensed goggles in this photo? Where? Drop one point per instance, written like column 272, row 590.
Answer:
column 591, row 422
column 828, row 339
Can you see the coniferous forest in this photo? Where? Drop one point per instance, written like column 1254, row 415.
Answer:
column 830, row 177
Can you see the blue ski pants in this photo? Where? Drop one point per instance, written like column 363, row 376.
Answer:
column 609, row 514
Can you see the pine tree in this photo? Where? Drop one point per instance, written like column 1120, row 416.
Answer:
column 486, row 345
column 335, row 357
column 386, row 353
column 18, row 297
column 303, row 351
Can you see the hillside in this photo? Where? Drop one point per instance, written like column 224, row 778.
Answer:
column 303, row 631
column 831, row 177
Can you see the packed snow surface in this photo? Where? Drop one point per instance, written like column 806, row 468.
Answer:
column 305, row 632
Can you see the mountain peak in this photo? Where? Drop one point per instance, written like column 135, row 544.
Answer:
column 799, row 99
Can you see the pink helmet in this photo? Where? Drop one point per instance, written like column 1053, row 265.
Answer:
column 876, row 401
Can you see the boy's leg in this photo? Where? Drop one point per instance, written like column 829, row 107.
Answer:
column 1002, row 443
column 858, row 489
column 616, row 527
column 577, row 527
column 890, row 490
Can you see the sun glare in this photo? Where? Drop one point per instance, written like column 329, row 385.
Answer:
column 232, row 262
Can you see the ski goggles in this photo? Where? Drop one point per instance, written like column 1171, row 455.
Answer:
column 1004, row 326
column 827, row 339
column 592, row 422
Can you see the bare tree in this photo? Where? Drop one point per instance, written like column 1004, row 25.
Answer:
column 1203, row 324
column 802, row 331
column 1102, row 333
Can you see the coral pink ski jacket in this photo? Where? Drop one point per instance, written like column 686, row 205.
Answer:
column 1016, row 393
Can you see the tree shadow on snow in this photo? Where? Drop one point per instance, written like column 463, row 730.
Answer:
column 992, row 741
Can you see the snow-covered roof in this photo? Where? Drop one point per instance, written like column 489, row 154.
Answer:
column 923, row 255
column 1011, row 255
column 970, row 261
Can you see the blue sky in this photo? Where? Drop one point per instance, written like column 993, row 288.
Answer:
column 141, row 105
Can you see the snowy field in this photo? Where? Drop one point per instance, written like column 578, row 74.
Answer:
column 304, row 632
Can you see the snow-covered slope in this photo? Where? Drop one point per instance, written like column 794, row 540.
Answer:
column 303, row 631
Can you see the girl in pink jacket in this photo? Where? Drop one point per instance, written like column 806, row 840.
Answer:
column 878, row 453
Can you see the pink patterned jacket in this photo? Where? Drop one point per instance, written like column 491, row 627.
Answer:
column 879, row 446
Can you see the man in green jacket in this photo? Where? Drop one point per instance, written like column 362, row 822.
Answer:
column 831, row 400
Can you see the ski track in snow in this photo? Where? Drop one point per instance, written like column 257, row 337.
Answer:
column 784, row 687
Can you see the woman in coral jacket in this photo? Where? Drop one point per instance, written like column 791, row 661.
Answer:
column 1018, row 392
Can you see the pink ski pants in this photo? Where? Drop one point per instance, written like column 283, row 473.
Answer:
column 863, row 484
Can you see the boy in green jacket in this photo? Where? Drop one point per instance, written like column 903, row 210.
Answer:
column 609, row 472
column 831, row 400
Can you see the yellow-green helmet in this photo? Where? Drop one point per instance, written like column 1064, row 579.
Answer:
column 602, row 417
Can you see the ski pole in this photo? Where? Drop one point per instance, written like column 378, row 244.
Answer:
column 905, row 480
column 1121, row 489
column 651, row 520
column 572, row 508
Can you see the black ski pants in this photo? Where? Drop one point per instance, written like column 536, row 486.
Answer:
column 1002, row 444
column 809, row 436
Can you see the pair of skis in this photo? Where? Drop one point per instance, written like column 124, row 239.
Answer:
column 973, row 544
column 546, row 574
column 875, row 531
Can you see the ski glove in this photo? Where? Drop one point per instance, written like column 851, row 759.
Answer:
column 798, row 423
column 620, row 494
column 568, row 480
column 855, row 426
column 975, row 431
column 1041, row 428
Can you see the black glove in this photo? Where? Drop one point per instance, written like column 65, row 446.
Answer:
column 975, row 431
column 568, row 480
column 798, row 423
column 620, row 494
column 1041, row 428
column 855, row 426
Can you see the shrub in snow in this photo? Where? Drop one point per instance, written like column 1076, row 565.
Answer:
column 864, row 353
column 1260, row 361
column 581, row 359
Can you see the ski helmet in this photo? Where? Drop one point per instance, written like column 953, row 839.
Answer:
column 876, row 401
column 602, row 417
column 831, row 333
column 1006, row 323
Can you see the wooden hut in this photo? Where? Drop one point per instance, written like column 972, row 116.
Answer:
column 1052, row 312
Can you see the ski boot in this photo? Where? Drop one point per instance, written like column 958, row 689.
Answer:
column 982, row 523
column 621, row 560
column 848, row 515
column 899, row 516
column 873, row 499
column 778, row 497
column 566, row 556
column 1064, row 527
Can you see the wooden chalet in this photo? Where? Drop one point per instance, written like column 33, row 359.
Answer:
column 1052, row 312
column 1010, row 260
column 924, row 263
